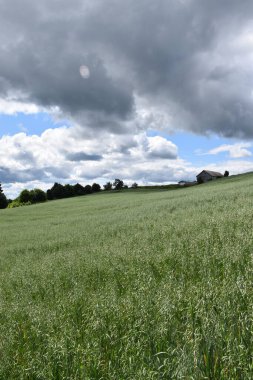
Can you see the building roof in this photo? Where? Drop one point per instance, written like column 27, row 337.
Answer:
column 211, row 173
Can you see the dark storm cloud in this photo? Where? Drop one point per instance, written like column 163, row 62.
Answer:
column 177, row 55
column 14, row 175
column 41, row 52
column 46, row 174
column 56, row 173
column 81, row 156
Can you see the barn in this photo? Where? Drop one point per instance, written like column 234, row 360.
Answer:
column 208, row 175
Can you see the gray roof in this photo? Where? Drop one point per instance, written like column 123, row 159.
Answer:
column 213, row 174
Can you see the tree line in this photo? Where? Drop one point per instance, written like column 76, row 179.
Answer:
column 58, row 191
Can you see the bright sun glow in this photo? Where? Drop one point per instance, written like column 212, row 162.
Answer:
column 84, row 72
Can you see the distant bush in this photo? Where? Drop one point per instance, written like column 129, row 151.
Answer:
column 17, row 203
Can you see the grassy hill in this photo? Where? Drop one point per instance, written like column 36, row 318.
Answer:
column 131, row 285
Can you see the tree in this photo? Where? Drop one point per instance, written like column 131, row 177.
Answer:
column 57, row 191
column 134, row 185
column 3, row 199
column 95, row 187
column 108, row 186
column 49, row 195
column 87, row 189
column 38, row 195
column 118, row 184
column 33, row 196
column 25, row 196
column 226, row 174
column 78, row 189
column 68, row 191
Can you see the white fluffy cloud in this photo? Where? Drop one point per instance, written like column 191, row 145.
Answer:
column 12, row 107
column 161, row 148
column 61, row 155
column 237, row 150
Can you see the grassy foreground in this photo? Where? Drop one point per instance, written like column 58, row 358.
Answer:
column 130, row 285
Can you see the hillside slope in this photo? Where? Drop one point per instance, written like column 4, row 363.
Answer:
column 130, row 285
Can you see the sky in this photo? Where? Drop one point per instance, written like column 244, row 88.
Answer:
column 146, row 91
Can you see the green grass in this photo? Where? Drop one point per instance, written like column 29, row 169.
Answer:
column 130, row 285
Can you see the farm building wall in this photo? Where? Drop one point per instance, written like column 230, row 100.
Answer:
column 205, row 177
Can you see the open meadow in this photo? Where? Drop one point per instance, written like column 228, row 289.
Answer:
column 131, row 285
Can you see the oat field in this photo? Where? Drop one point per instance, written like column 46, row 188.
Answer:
column 135, row 285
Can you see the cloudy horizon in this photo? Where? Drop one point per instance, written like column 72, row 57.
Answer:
column 150, row 92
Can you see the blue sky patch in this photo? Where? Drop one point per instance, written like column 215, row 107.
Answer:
column 31, row 124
